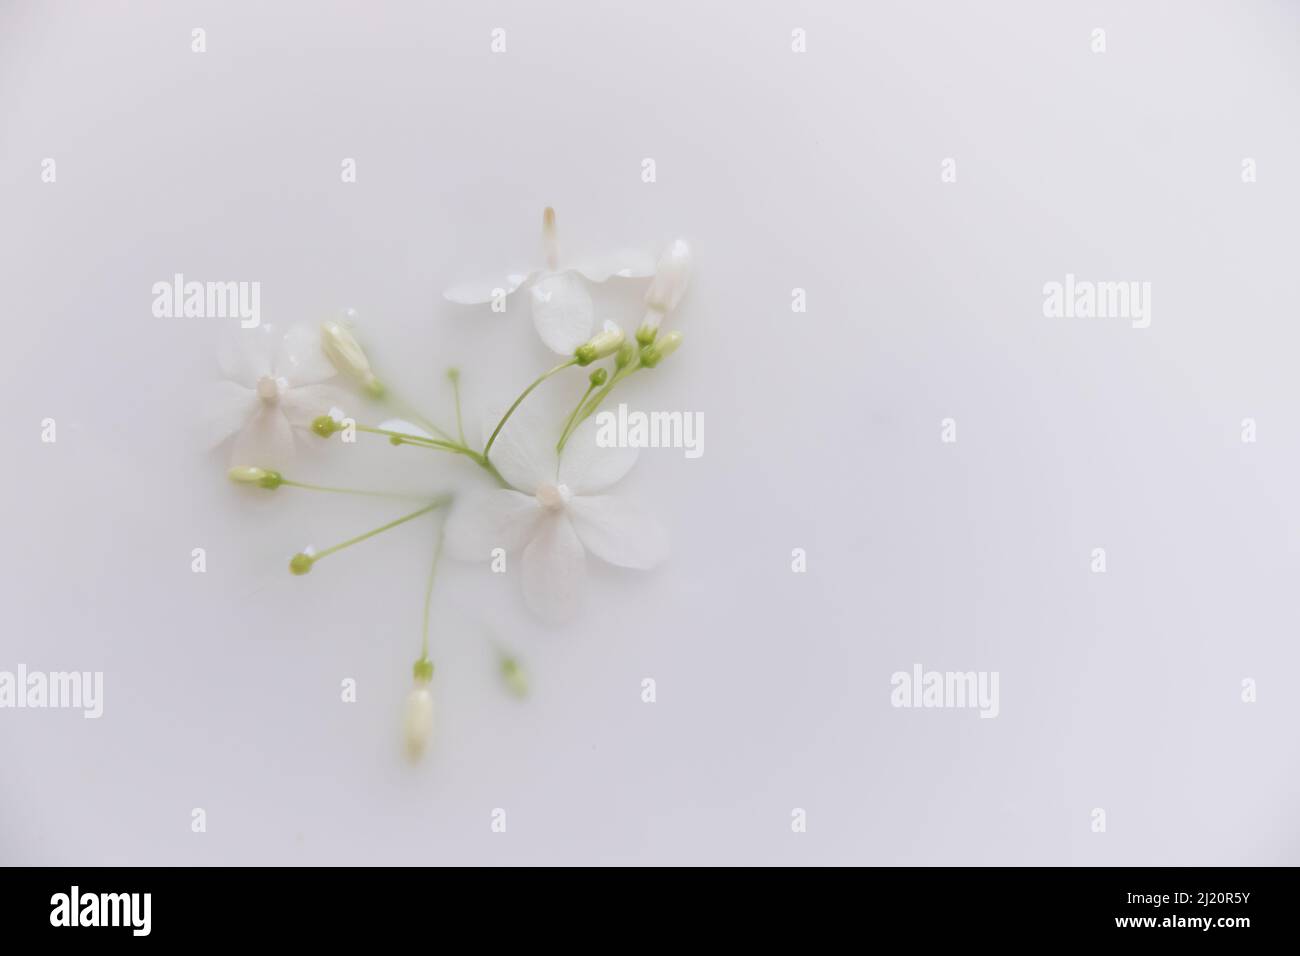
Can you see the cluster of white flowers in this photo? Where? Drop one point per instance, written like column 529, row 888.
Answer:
column 548, row 500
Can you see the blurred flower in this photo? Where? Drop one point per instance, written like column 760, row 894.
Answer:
column 347, row 355
column 562, row 308
column 553, row 514
column 417, row 718
column 272, row 383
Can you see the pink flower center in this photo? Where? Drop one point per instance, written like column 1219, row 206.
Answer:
column 553, row 497
column 269, row 389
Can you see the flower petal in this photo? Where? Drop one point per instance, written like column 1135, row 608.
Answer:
column 403, row 426
column 562, row 311
column 623, row 264
column 300, row 359
column 485, row 520
column 245, row 354
column 229, row 408
column 304, row 404
column 524, row 452
column 554, row 570
column 586, row 466
column 266, row 441
column 477, row 293
column 618, row 531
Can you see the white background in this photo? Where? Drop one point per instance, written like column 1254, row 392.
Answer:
column 820, row 171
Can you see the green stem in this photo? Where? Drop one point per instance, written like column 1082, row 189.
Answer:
column 568, row 424
column 423, row 440
column 518, row 401
column 436, row 503
column 454, row 375
column 590, row 408
column 346, row 491
column 407, row 411
column 428, row 591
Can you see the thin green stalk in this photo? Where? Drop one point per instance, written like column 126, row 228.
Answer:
column 594, row 403
column 407, row 411
column 436, row 503
column 454, row 375
column 428, row 590
column 348, row 491
column 518, row 401
column 568, row 424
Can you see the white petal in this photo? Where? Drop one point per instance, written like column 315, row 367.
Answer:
column 562, row 311
column 624, row 264
column 524, row 452
column 300, row 359
column 304, row 404
column 266, row 441
column 403, row 426
column 477, row 293
column 554, row 570
column 620, row 532
column 482, row 521
column 586, row 467
column 245, row 354
column 229, row 409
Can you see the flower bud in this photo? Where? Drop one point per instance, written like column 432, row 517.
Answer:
column 301, row 562
column 624, row 356
column 660, row 349
column 601, row 345
column 325, row 425
column 348, row 357
column 649, row 328
column 513, row 674
column 599, row 377
column 672, row 276
column 252, row 475
column 417, row 716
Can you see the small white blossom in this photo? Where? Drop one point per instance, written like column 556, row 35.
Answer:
column 562, row 307
column 554, row 513
column 273, row 383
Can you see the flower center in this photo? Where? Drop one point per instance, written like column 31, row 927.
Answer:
column 269, row 389
column 553, row 497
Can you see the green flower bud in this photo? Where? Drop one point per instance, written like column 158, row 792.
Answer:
column 660, row 349
column 598, row 377
column 624, row 356
column 301, row 563
column 251, row 475
column 423, row 670
column 604, row 343
column 324, row 426
column 513, row 674
column 647, row 332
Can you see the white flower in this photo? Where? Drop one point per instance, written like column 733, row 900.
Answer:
column 672, row 276
column 562, row 308
column 417, row 719
column 273, row 383
column 554, row 513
